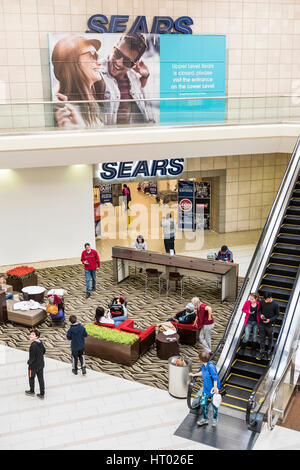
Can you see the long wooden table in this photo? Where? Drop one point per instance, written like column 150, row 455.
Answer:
column 228, row 272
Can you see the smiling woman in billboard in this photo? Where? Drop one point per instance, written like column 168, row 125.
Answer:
column 77, row 68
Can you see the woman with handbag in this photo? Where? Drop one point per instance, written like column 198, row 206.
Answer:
column 211, row 386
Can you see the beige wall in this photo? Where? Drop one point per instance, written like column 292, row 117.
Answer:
column 251, row 183
column 263, row 38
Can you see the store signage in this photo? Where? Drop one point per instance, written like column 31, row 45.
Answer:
column 161, row 24
column 141, row 169
column 186, row 205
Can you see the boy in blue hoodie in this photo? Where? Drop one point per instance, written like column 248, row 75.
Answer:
column 76, row 335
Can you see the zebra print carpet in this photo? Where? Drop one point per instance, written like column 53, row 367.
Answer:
column 144, row 308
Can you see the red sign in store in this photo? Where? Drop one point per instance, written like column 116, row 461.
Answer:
column 186, row 205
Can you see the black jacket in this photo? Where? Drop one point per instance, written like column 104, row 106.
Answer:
column 36, row 356
column 270, row 310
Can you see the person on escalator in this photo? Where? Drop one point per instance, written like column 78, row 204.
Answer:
column 250, row 308
column 268, row 311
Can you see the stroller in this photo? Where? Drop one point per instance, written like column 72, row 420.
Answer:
column 117, row 307
column 56, row 307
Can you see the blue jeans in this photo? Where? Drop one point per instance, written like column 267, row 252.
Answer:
column 119, row 320
column 90, row 275
column 251, row 326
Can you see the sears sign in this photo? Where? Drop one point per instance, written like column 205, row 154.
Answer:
column 142, row 169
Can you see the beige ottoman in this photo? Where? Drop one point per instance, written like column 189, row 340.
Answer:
column 27, row 318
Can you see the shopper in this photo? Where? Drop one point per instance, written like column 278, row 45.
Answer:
column 204, row 322
column 211, row 386
column 250, row 308
column 169, row 229
column 268, row 311
column 186, row 316
column 36, row 364
column 126, row 195
column 91, row 261
column 102, row 316
column 224, row 254
column 76, row 335
column 139, row 244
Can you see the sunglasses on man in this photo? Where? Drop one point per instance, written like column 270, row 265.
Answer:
column 127, row 62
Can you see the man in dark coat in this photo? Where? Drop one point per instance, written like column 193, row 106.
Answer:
column 36, row 364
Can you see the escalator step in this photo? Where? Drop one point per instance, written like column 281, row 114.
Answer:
column 288, row 238
column 237, row 392
column 279, row 292
column 296, row 193
column 287, row 228
column 287, row 260
column 293, row 210
column 233, row 402
column 280, row 269
column 278, row 281
column 286, row 248
column 250, row 369
column 295, row 201
column 241, row 381
column 292, row 219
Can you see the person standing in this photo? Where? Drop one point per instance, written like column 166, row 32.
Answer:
column 268, row 311
column 204, row 322
column 76, row 335
column 91, row 261
column 169, row 230
column 211, row 386
column 250, row 308
column 36, row 364
column 126, row 195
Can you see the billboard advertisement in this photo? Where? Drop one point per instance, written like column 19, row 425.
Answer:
column 130, row 73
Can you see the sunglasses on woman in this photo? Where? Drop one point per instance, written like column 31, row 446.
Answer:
column 126, row 60
column 92, row 51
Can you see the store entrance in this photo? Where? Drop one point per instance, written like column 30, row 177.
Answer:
column 119, row 224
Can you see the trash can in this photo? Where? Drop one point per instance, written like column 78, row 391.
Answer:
column 179, row 379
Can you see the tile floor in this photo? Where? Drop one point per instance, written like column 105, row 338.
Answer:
column 88, row 412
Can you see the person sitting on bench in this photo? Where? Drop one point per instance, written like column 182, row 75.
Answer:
column 103, row 317
column 186, row 316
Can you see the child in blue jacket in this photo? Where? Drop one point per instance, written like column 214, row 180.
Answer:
column 76, row 335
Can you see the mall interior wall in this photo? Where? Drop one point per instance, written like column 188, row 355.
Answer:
column 47, row 213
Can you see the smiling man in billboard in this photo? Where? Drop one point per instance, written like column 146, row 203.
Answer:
column 125, row 76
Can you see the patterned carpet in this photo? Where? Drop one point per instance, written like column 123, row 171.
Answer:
column 144, row 309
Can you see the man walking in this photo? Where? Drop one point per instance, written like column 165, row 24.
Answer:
column 169, row 230
column 36, row 364
column 91, row 261
column 268, row 311
column 76, row 334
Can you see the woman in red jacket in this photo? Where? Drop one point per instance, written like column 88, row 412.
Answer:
column 250, row 308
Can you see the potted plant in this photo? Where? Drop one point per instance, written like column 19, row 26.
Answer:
column 20, row 277
column 112, row 345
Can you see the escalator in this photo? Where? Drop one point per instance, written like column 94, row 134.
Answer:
column 249, row 381
column 278, row 278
